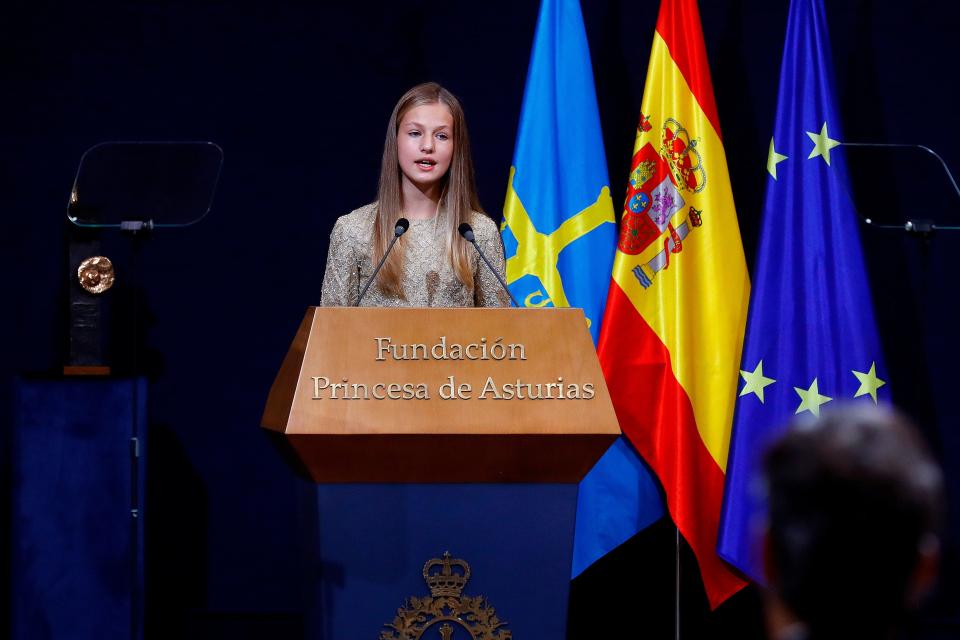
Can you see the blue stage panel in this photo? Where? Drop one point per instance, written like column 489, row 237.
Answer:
column 77, row 567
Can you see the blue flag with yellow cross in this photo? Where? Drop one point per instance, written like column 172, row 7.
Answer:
column 560, row 235
column 811, row 339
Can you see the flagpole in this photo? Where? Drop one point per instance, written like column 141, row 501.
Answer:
column 676, row 601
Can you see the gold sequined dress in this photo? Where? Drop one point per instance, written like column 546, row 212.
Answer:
column 428, row 277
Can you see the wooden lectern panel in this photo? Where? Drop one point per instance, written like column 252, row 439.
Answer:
column 442, row 395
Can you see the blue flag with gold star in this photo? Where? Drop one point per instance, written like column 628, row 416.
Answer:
column 811, row 336
column 560, row 235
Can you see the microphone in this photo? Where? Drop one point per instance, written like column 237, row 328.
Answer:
column 402, row 225
column 467, row 232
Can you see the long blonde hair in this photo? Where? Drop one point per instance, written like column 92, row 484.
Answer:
column 459, row 191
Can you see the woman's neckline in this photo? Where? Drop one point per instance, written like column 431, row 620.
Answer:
column 436, row 213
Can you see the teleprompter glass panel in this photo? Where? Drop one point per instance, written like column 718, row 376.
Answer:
column 156, row 184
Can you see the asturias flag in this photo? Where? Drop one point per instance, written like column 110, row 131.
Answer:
column 677, row 306
column 559, row 234
column 811, row 338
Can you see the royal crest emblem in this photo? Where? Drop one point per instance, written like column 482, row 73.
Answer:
column 681, row 153
column 695, row 217
column 639, row 202
column 644, row 171
column 666, row 202
column 644, row 124
column 655, row 198
column 446, row 610
column 637, row 226
column 672, row 244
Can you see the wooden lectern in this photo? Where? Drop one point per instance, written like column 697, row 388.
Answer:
column 509, row 404
column 463, row 427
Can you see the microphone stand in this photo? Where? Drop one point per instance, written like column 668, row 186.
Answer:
column 921, row 228
column 467, row 232
column 399, row 230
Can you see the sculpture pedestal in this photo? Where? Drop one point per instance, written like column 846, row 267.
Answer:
column 77, row 569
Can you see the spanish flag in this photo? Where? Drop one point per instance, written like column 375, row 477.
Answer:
column 673, row 328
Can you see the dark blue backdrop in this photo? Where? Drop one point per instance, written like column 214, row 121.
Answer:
column 298, row 96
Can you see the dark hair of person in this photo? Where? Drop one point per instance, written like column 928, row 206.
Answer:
column 853, row 499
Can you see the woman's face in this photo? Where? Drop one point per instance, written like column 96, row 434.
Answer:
column 425, row 144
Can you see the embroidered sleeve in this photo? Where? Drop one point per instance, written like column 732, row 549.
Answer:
column 341, row 278
column 487, row 291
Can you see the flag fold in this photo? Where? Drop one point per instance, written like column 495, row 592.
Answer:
column 676, row 310
column 559, row 235
column 811, row 338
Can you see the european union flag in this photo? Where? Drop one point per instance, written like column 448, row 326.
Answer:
column 811, row 337
column 560, row 235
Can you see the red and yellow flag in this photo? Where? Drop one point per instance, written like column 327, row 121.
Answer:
column 674, row 323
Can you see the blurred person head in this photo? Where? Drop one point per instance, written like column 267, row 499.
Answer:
column 855, row 502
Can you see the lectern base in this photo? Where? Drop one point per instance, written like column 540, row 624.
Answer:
column 367, row 552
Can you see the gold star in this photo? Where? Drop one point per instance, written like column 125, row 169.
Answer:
column 822, row 144
column 810, row 399
column 869, row 382
column 773, row 159
column 755, row 381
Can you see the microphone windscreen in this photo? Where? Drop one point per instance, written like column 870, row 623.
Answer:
column 466, row 231
column 402, row 225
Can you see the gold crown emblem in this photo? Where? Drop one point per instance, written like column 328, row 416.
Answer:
column 450, row 579
column 683, row 156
